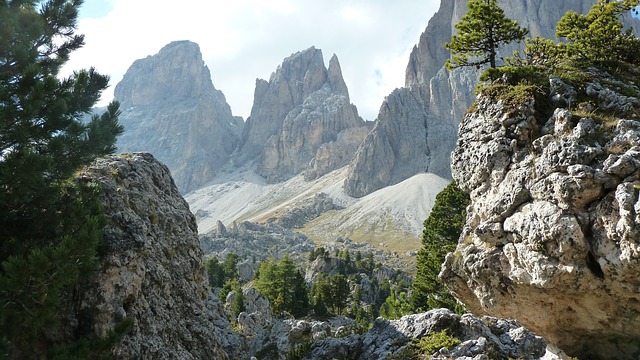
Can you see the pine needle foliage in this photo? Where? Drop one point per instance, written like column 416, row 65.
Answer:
column 50, row 225
column 599, row 36
column 440, row 236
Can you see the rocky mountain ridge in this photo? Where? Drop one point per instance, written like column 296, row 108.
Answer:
column 303, row 107
column 389, row 219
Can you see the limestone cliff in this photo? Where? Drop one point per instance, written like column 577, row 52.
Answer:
column 170, row 108
column 151, row 269
column 416, row 128
column 552, row 233
column 303, row 107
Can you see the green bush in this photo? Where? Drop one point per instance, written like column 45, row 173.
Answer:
column 436, row 341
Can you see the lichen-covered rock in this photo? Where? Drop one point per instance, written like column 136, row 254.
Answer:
column 151, row 268
column 551, row 237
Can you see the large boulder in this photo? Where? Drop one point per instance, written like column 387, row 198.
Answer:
column 151, row 269
column 552, row 233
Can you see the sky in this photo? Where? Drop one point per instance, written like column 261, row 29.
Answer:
column 242, row 40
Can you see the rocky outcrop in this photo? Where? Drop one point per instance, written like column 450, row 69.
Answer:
column 297, row 217
column 416, row 128
column 170, row 108
column 302, row 107
column 479, row 339
column 551, row 237
column 151, row 269
column 256, row 242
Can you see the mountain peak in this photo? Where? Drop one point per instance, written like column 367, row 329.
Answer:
column 171, row 109
column 302, row 107
column 175, row 73
column 335, row 77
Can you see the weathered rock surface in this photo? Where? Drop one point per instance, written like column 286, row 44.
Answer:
column 407, row 139
column 552, row 235
column 257, row 242
column 170, row 108
column 481, row 338
column 297, row 217
column 276, row 337
column 416, row 128
column 335, row 154
column 151, row 269
column 302, row 107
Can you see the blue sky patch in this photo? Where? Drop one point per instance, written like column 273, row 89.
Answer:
column 95, row 8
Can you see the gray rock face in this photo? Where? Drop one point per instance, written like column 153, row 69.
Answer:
column 171, row 109
column 298, row 216
column 152, row 268
column 335, row 154
column 407, row 139
column 551, row 237
column 255, row 241
column 302, row 107
column 416, row 128
column 486, row 338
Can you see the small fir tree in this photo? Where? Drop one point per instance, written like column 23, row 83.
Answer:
column 300, row 305
column 481, row 31
column 339, row 292
column 238, row 302
column 321, row 295
column 440, row 236
column 215, row 272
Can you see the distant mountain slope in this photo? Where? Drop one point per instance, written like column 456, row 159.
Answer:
column 396, row 212
column 171, row 109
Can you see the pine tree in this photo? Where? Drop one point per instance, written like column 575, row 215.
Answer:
column 286, row 274
column 339, row 292
column 284, row 286
column 266, row 282
column 215, row 272
column 230, row 266
column 321, row 295
column 481, row 31
column 300, row 305
column 599, row 35
column 238, row 302
column 50, row 226
column 395, row 306
column 440, row 236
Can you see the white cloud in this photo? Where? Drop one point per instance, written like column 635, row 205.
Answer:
column 242, row 40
